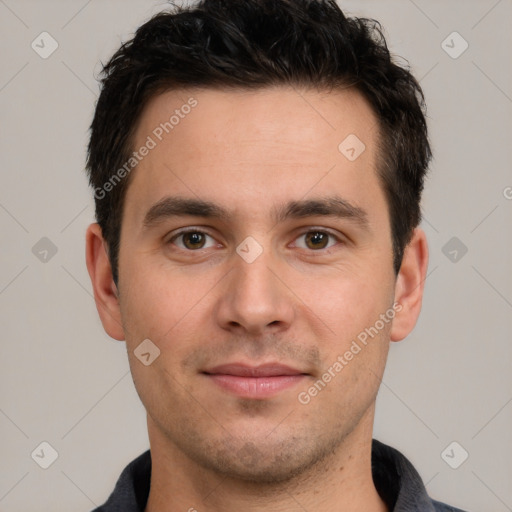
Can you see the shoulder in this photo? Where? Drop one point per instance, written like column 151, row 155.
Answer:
column 443, row 507
column 132, row 488
column 399, row 483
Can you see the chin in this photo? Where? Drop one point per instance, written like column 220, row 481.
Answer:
column 263, row 462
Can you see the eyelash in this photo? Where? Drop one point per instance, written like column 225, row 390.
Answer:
column 310, row 230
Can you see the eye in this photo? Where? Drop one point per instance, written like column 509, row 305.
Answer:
column 317, row 239
column 192, row 240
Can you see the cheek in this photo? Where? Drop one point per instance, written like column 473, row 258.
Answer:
column 356, row 348
column 348, row 302
column 159, row 303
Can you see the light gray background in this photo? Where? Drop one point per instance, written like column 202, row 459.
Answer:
column 64, row 381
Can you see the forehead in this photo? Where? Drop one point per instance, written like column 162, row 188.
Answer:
column 260, row 144
column 281, row 113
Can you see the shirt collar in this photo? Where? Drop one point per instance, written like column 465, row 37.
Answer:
column 397, row 482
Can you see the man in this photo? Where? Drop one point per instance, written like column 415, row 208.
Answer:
column 257, row 168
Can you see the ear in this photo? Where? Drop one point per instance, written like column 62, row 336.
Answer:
column 105, row 290
column 409, row 285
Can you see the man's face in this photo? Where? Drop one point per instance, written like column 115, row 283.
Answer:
column 217, row 308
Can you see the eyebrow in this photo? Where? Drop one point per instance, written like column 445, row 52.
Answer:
column 332, row 206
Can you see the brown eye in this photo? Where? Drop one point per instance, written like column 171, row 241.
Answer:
column 192, row 240
column 316, row 240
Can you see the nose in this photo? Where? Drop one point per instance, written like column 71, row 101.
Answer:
column 255, row 298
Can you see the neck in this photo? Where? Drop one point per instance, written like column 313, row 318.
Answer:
column 341, row 481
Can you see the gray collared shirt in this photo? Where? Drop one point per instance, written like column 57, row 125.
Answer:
column 396, row 481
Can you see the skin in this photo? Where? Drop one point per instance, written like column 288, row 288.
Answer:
column 299, row 303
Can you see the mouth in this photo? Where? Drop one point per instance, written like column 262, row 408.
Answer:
column 256, row 382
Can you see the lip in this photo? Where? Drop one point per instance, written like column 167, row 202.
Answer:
column 244, row 370
column 256, row 382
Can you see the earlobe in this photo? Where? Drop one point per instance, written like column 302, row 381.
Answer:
column 409, row 285
column 106, row 294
